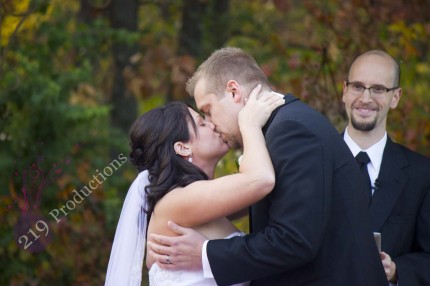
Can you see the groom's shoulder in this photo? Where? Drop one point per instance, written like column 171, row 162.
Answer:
column 289, row 98
column 301, row 113
column 295, row 108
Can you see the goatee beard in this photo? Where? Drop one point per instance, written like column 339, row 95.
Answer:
column 363, row 126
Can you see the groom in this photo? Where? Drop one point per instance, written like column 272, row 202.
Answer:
column 313, row 229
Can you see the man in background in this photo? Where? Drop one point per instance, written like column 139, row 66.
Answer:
column 398, row 178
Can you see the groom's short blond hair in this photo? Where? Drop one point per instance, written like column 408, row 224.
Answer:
column 226, row 64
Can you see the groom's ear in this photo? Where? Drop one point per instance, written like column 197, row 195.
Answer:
column 234, row 90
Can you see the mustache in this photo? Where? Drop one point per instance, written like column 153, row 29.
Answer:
column 366, row 106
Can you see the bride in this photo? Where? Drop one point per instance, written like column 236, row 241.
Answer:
column 176, row 152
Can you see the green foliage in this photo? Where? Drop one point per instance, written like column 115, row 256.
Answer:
column 54, row 135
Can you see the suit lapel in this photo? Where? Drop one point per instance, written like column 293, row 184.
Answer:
column 392, row 180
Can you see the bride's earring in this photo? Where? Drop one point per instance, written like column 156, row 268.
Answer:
column 190, row 159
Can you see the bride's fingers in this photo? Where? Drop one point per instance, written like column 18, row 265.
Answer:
column 271, row 101
column 271, row 96
column 275, row 100
column 276, row 104
column 254, row 92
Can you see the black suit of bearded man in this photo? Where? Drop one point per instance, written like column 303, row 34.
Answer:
column 400, row 211
column 313, row 229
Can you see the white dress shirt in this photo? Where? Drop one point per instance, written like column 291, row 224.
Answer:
column 374, row 152
column 207, row 271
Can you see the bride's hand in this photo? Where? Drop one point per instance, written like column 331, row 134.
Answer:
column 257, row 111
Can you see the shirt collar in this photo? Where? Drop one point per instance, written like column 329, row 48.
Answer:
column 374, row 152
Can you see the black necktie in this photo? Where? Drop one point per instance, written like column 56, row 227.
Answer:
column 362, row 160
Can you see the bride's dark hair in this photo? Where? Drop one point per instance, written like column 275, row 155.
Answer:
column 152, row 138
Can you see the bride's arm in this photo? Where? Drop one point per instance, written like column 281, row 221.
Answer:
column 204, row 201
column 238, row 214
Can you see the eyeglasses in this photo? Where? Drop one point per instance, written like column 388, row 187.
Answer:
column 377, row 91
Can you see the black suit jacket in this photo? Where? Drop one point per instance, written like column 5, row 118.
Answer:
column 313, row 229
column 400, row 210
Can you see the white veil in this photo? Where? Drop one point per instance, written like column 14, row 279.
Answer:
column 128, row 249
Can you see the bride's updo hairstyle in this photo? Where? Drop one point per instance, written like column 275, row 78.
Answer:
column 152, row 137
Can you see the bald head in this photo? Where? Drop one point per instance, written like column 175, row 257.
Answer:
column 381, row 55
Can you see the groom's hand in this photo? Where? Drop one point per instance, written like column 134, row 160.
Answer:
column 183, row 252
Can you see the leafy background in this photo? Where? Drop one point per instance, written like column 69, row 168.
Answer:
column 75, row 74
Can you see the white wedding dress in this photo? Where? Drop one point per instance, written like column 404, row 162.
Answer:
column 128, row 249
column 161, row 277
